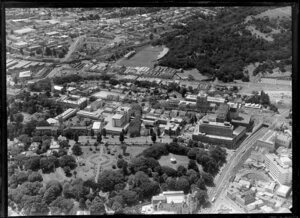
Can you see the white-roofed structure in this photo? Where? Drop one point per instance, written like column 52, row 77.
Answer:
column 283, row 191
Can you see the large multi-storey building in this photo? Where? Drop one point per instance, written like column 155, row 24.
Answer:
column 280, row 168
column 216, row 132
column 126, row 111
column 216, row 128
column 118, row 120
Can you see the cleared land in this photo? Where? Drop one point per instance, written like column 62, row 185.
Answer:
column 194, row 73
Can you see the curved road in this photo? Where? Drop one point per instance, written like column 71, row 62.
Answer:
column 236, row 157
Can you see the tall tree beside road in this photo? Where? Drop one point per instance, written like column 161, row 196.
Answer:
column 76, row 149
column 121, row 138
column 153, row 137
column 99, row 138
column 104, row 132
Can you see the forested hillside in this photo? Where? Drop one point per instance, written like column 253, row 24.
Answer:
column 222, row 46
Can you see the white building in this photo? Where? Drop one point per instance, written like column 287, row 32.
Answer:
column 283, row 191
column 66, row 114
column 280, row 168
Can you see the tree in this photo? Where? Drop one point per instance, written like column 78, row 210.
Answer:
column 201, row 184
column 24, row 138
column 129, row 197
column 208, row 179
column 182, row 184
column 171, row 182
column 48, row 51
column 99, row 138
column 92, row 133
column 76, row 137
column 202, row 197
column 76, row 149
column 158, row 132
column 141, row 178
column 124, row 147
column 169, row 171
column 153, row 137
column 149, row 189
column 33, row 163
column 192, row 153
column 19, row 118
column 142, row 164
column 97, row 206
column 67, row 171
column 35, row 176
column 193, row 165
column 48, row 164
column 108, row 179
column 67, row 160
column 35, row 206
column 121, row 138
column 181, row 170
column 104, row 132
column 68, row 190
column 52, row 193
column 63, row 205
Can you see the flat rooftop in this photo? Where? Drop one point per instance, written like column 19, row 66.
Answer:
column 268, row 137
column 242, row 118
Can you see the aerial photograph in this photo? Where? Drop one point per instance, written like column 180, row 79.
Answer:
column 149, row 110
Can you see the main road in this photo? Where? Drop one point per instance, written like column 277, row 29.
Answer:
column 236, row 158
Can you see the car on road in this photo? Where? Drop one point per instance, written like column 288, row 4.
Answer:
column 213, row 199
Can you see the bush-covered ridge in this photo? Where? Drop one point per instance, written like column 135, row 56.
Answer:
column 222, row 46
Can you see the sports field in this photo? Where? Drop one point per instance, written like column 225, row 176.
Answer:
column 145, row 57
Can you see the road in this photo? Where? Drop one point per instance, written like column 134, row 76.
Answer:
column 99, row 165
column 236, row 157
column 72, row 48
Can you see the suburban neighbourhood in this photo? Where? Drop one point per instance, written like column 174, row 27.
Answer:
column 147, row 110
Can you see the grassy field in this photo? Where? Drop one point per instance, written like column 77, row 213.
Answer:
column 181, row 160
column 194, row 73
column 146, row 57
column 58, row 175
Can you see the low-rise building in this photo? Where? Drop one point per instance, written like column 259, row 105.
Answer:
column 25, row 75
column 174, row 202
column 91, row 115
column 73, row 101
column 173, row 127
column 267, row 141
column 283, row 140
column 66, row 114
